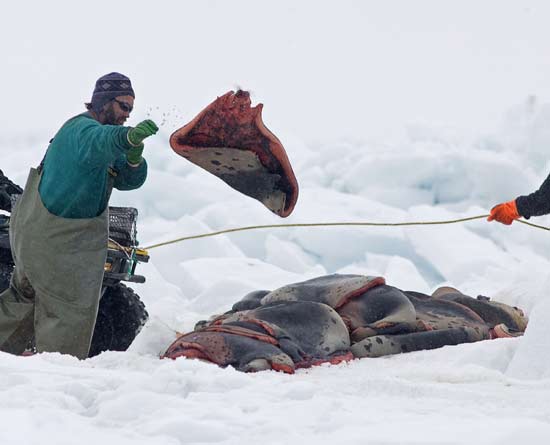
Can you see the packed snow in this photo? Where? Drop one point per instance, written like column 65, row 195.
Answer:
column 431, row 169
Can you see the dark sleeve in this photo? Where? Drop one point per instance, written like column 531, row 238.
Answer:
column 537, row 203
column 128, row 177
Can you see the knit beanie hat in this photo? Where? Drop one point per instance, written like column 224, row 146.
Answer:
column 108, row 87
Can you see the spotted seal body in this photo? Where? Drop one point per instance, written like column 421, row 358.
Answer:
column 492, row 312
column 381, row 345
column 305, row 330
column 333, row 290
column 380, row 310
column 280, row 336
column 438, row 314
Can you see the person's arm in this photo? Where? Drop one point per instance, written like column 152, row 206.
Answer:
column 130, row 177
column 537, row 203
column 101, row 145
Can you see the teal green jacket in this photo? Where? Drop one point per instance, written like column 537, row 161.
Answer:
column 81, row 161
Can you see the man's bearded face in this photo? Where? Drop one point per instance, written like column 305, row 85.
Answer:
column 117, row 111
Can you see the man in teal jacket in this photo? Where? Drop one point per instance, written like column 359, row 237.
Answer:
column 59, row 228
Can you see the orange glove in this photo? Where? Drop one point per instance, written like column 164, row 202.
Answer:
column 504, row 213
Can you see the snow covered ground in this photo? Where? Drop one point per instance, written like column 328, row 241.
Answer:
column 444, row 168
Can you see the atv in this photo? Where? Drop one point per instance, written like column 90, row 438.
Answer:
column 121, row 313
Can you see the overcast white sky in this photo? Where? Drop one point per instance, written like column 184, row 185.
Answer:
column 323, row 69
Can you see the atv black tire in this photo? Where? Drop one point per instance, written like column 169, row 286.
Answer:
column 120, row 317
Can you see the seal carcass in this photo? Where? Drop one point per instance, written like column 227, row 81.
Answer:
column 279, row 336
column 334, row 318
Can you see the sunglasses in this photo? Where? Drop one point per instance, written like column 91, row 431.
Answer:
column 126, row 107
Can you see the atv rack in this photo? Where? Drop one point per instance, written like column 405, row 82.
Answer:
column 123, row 254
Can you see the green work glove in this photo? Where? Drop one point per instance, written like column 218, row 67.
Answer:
column 141, row 131
column 133, row 155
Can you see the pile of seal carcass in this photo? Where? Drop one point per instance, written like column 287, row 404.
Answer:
column 328, row 319
column 336, row 318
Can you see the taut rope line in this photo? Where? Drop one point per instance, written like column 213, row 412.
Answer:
column 331, row 224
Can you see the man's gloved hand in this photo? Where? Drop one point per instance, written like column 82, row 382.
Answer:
column 143, row 130
column 504, row 213
column 133, row 155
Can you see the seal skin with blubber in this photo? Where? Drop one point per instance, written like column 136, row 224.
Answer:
column 229, row 139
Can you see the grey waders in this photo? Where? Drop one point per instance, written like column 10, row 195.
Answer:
column 56, row 285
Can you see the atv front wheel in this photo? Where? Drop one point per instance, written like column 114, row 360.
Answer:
column 120, row 317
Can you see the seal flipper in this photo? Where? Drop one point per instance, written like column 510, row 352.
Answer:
column 229, row 139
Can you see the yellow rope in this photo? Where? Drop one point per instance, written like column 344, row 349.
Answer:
column 533, row 225
column 329, row 224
